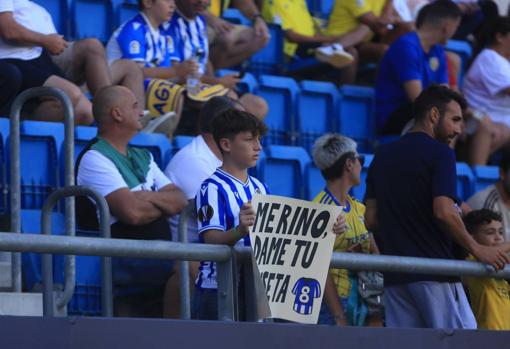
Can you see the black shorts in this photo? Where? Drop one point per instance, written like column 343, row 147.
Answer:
column 36, row 71
column 307, row 50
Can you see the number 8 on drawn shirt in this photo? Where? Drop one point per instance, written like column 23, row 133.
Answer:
column 306, row 290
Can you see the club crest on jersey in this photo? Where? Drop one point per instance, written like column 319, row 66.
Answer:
column 134, row 47
column 205, row 213
column 170, row 43
column 434, row 63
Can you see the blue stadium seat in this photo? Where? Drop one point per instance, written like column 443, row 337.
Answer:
column 465, row 181
column 248, row 83
column 31, row 262
column 157, row 144
column 235, row 16
column 356, row 114
column 92, row 19
column 316, row 106
column 485, row 176
column 283, row 170
column 59, row 10
column 321, row 8
column 40, row 147
column 271, row 59
column 82, row 136
column 124, row 11
column 464, row 50
column 358, row 192
column 314, row 181
column 280, row 94
column 180, row 142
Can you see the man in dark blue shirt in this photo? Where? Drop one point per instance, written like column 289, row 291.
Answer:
column 411, row 204
column 413, row 62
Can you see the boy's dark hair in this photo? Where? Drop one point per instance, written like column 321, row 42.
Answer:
column 212, row 108
column 474, row 219
column 436, row 96
column 140, row 5
column 436, row 12
column 504, row 162
column 232, row 122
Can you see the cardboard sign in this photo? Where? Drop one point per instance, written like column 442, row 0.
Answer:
column 292, row 242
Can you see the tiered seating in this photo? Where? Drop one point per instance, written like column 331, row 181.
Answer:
column 485, row 176
column 157, row 144
column 92, row 18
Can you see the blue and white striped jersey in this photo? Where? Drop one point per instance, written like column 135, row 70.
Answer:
column 137, row 40
column 306, row 290
column 218, row 203
column 190, row 38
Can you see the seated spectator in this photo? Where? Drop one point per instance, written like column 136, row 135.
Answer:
column 25, row 22
column 489, row 297
column 413, row 62
column 139, row 195
column 497, row 197
column 189, row 35
column 340, row 164
column 142, row 40
column 232, row 44
column 223, row 219
column 384, row 23
column 487, row 90
column 10, row 84
column 303, row 39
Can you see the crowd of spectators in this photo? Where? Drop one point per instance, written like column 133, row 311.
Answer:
column 164, row 61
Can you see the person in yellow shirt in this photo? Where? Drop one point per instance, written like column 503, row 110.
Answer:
column 231, row 44
column 304, row 39
column 379, row 16
column 490, row 298
column 340, row 164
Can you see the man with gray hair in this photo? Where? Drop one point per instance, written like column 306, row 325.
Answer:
column 340, row 165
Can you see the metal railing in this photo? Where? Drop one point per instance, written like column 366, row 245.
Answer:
column 15, row 182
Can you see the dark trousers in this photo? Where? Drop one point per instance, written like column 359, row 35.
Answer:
column 10, row 84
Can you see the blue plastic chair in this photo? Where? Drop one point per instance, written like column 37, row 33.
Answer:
column 248, row 83
column 465, row 181
column 464, row 50
column 270, row 59
column 358, row 192
column 157, row 144
column 321, row 8
column 280, row 94
column 314, row 181
column 40, row 147
column 125, row 11
column 82, row 136
column 485, row 176
column 283, row 170
column 92, row 19
column 356, row 117
column 180, row 142
column 59, row 11
column 316, row 106
column 235, row 16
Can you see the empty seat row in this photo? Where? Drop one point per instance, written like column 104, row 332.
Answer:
column 300, row 112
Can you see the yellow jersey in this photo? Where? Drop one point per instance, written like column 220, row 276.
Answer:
column 344, row 16
column 354, row 212
column 490, row 301
column 290, row 15
column 216, row 7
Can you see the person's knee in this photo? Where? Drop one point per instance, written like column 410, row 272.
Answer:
column 89, row 47
column 126, row 69
column 255, row 105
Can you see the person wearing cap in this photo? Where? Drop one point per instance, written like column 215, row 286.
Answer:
column 340, row 165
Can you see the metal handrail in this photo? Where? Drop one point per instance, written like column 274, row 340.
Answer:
column 15, row 182
column 70, row 275
column 184, row 288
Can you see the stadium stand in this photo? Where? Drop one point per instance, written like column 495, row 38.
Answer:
column 98, row 23
column 485, row 176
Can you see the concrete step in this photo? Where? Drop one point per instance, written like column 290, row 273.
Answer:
column 21, row 304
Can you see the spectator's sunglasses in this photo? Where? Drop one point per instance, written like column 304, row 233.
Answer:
column 361, row 159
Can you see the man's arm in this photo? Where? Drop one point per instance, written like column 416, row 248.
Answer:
column 334, row 305
column 13, row 32
column 413, row 89
column 297, row 38
column 250, row 10
column 450, row 220
column 133, row 208
column 178, row 71
column 371, row 221
column 170, row 200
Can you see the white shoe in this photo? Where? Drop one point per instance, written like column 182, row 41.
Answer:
column 334, row 55
column 166, row 123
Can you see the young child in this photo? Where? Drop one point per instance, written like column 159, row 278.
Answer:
column 223, row 202
column 490, row 299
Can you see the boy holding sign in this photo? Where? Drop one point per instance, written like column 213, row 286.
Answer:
column 223, row 201
column 340, row 165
